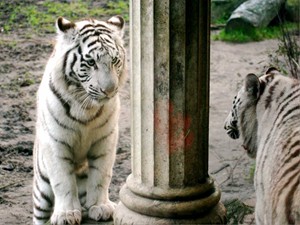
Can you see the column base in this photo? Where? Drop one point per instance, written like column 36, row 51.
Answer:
column 143, row 208
column 125, row 216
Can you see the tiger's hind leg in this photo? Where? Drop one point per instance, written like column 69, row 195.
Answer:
column 42, row 194
column 43, row 200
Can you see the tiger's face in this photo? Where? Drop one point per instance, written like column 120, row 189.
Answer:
column 242, row 117
column 94, row 57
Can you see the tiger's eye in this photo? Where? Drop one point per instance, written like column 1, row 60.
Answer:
column 91, row 62
column 114, row 60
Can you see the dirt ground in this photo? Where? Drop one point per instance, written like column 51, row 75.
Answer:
column 22, row 62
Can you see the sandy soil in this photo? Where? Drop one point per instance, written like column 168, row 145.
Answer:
column 22, row 62
column 228, row 163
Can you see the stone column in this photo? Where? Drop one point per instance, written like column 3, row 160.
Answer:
column 169, row 183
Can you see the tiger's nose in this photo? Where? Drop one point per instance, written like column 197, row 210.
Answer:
column 109, row 91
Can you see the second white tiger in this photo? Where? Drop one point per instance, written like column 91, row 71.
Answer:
column 77, row 122
column 266, row 112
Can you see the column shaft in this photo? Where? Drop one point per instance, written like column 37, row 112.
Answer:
column 170, row 102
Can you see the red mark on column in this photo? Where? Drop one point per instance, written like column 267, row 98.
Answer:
column 181, row 131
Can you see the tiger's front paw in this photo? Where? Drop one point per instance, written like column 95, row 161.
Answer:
column 102, row 211
column 70, row 217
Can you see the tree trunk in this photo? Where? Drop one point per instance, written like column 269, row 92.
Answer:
column 253, row 13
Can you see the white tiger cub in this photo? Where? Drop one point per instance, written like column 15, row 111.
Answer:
column 77, row 122
column 266, row 111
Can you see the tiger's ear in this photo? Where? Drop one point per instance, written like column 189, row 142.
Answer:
column 118, row 22
column 66, row 29
column 252, row 86
column 271, row 70
column 63, row 25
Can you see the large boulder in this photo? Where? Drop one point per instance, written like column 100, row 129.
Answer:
column 253, row 13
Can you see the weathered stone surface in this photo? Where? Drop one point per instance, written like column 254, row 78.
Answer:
column 169, row 183
column 125, row 216
column 253, row 13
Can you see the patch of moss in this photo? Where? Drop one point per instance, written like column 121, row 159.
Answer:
column 251, row 172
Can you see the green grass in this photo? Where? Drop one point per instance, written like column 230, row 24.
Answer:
column 26, row 80
column 236, row 211
column 40, row 17
column 256, row 34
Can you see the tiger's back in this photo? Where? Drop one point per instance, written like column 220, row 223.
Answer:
column 267, row 114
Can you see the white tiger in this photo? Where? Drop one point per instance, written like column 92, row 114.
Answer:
column 266, row 111
column 77, row 122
